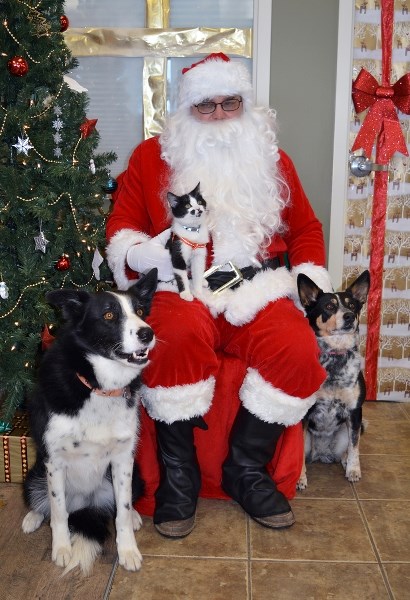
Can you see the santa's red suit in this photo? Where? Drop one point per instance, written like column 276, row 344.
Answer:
column 249, row 346
column 180, row 380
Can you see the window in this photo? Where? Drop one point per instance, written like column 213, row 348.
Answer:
column 130, row 70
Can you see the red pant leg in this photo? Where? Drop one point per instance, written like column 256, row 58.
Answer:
column 282, row 356
column 180, row 379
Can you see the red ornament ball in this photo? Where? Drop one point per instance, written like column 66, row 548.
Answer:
column 18, row 66
column 63, row 263
column 64, row 23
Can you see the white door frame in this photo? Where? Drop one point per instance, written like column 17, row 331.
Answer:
column 343, row 107
column 262, row 36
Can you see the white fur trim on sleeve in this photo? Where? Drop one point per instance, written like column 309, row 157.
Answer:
column 180, row 402
column 242, row 304
column 116, row 251
column 319, row 275
column 271, row 404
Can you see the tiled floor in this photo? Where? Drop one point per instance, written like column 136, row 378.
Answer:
column 350, row 542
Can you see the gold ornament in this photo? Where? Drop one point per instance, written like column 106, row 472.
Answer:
column 40, row 23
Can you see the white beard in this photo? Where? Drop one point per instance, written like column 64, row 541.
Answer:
column 235, row 161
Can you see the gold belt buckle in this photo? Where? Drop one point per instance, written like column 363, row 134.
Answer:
column 238, row 277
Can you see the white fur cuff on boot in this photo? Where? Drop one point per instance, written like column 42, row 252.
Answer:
column 180, row 402
column 271, row 404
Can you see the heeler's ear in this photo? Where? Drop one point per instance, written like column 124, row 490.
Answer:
column 172, row 199
column 360, row 287
column 308, row 290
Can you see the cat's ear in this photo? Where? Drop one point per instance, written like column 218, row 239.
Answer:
column 196, row 190
column 172, row 199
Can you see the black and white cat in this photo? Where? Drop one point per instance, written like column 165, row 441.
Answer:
column 187, row 244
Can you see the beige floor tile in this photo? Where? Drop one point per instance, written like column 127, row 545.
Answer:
column 326, row 481
column 384, row 476
column 183, row 579
column 399, row 579
column 405, row 406
column 220, row 531
column 326, row 555
column 388, row 437
column 26, row 569
column 389, row 523
column 385, row 411
column 316, row 581
column 324, row 530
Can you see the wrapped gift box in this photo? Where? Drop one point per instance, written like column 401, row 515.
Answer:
column 18, row 451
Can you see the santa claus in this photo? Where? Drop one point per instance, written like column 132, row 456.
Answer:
column 263, row 232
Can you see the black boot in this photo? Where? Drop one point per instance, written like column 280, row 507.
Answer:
column 244, row 474
column 180, row 478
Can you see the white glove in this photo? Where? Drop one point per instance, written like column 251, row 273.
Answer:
column 152, row 254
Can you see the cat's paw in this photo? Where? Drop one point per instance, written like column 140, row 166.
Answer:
column 186, row 295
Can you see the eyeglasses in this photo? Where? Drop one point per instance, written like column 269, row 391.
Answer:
column 229, row 105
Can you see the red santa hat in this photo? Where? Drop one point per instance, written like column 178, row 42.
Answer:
column 215, row 75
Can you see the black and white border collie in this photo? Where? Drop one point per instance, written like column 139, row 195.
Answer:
column 333, row 425
column 84, row 421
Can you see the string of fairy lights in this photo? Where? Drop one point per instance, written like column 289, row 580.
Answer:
column 36, row 62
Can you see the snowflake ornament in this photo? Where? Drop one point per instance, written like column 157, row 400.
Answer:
column 23, row 145
column 58, row 124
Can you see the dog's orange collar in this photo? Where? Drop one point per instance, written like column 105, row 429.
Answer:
column 125, row 391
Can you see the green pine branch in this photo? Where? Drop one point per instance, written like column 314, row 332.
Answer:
column 46, row 188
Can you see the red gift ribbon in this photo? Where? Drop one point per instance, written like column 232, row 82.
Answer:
column 382, row 123
column 382, row 116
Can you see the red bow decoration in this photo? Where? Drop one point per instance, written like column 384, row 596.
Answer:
column 88, row 127
column 382, row 116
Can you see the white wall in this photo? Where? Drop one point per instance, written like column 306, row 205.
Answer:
column 302, row 90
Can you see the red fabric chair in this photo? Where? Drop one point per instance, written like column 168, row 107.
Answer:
column 212, row 445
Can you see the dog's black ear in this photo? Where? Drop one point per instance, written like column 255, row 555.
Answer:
column 145, row 287
column 71, row 302
column 360, row 287
column 308, row 290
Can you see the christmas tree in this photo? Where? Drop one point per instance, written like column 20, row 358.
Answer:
column 52, row 188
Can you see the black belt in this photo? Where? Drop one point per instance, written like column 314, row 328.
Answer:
column 219, row 280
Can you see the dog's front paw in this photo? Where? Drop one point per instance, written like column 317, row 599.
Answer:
column 32, row 521
column 61, row 555
column 302, row 483
column 136, row 520
column 353, row 474
column 130, row 558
